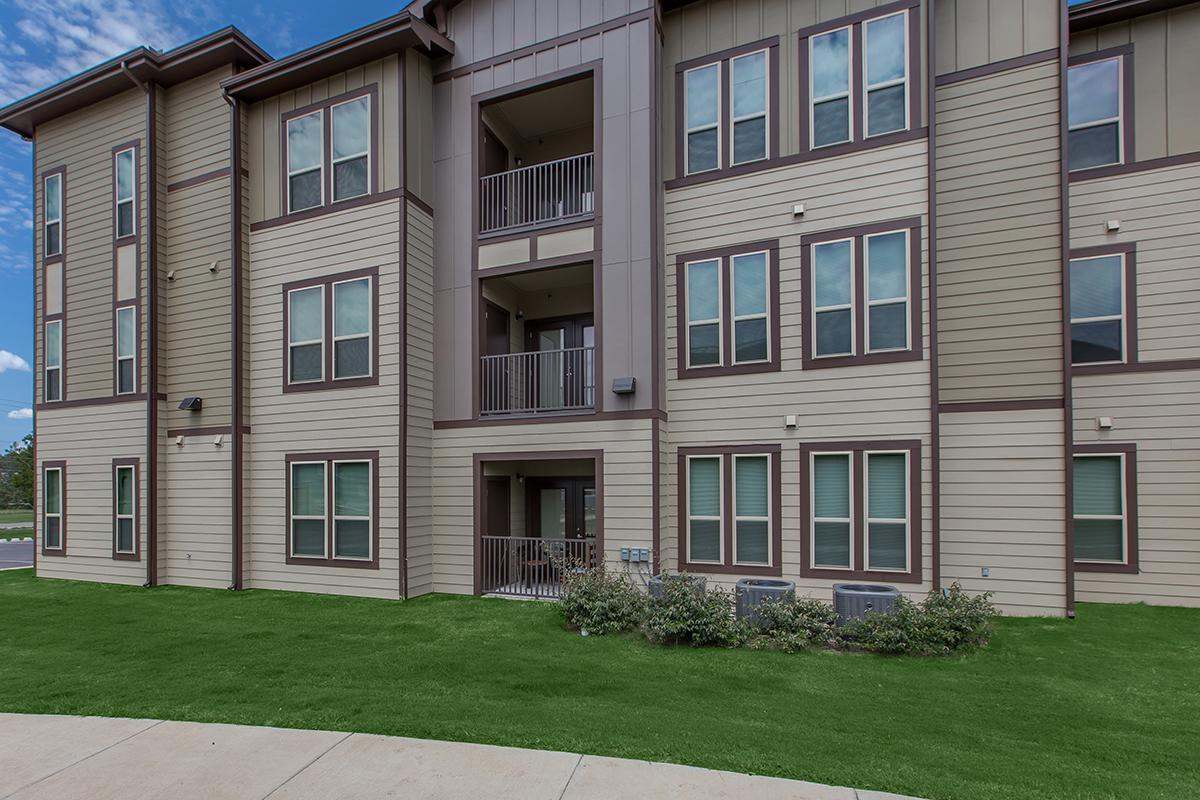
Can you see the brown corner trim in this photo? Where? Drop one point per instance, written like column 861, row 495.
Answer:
column 1130, row 567
column 1135, row 167
column 1064, row 214
column 996, row 67
column 196, row 180
column 488, row 422
column 236, row 476
column 402, row 494
column 935, row 446
column 1001, row 405
column 152, row 334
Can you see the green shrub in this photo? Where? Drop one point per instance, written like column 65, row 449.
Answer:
column 596, row 601
column 939, row 625
column 687, row 614
column 792, row 625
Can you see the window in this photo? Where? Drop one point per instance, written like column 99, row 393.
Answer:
column 125, row 192
column 329, row 155
column 1104, row 508
column 1095, row 112
column 126, row 367
column 726, row 109
column 729, row 509
column 853, row 98
column 333, row 509
column 54, row 537
column 125, row 535
column 52, row 215
column 331, row 330
column 1098, row 310
column 728, row 320
column 53, row 344
column 862, row 302
column 860, row 505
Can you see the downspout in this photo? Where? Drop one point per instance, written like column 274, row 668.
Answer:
column 935, row 437
column 235, row 260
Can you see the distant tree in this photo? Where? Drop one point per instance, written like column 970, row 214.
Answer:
column 16, row 474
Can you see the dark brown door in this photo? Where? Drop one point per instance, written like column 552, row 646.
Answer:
column 495, row 154
column 564, row 376
column 495, row 379
column 497, row 516
column 495, row 326
column 496, row 555
column 494, row 200
column 560, row 508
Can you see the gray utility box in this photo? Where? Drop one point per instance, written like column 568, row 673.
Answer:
column 752, row 591
column 656, row 583
column 855, row 600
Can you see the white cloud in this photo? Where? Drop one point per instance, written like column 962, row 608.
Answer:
column 21, row 413
column 12, row 361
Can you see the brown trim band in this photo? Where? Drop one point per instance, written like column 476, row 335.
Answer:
column 321, row 211
column 328, row 459
column 996, row 67
column 1135, row 167
column 196, row 180
column 1000, row 405
column 85, row 402
column 1163, row 365
column 549, row 418
column 211, row 430
column 1129, row 451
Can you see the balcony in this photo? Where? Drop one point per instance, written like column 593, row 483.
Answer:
column 556, row 191
column 544, row 381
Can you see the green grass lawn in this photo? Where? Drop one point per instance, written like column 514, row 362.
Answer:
column 15, row 533
column 1106, row 706
column 16, row 515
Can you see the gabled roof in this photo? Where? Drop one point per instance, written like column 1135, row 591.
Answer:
column 142, row 64
column 1095, row 13
column 357, row 47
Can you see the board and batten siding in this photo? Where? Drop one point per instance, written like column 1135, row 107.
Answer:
column 419, row 132
column 863, row 402
column 350, row 419
column 999, row 237
column 973, row 33
column 1166, row 61
column 419, row 310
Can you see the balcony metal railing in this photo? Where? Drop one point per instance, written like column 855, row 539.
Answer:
column 528, row 567
column 538, row 382
column 540, row 193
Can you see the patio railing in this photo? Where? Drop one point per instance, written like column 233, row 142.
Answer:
column 523, row 566
column 540, row 193
column 538, row 382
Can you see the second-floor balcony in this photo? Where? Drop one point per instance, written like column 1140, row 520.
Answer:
column 538, row 382
column 559, row 190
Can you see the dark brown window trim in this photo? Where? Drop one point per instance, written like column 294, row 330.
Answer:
column 857, row 78
column 61, row 319
column 858, row 531
column 1165, row 162
column 61, row 466
column 328, row 458
column 134, row 240
column 1128, row 153
column 61, row 172
column 725, row 256
column 47, row 262
column 325, row 106
column 1129, row 252
column 725, row 126
column 137, row 355
column 136, row 146
column 1129, row 452
column 329, row 382
column 728, row 567
column 916, row 348
column 136, row 555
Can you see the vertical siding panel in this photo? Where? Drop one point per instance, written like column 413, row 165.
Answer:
column 1183, row 121
column 1005, row 25
column 1150, row 86
column 971, row 28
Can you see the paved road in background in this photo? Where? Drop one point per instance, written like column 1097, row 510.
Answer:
column 16, row 554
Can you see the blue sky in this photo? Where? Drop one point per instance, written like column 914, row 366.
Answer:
column 44, row 41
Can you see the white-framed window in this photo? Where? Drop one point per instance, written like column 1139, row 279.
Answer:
column 888, row 290
column 52, row 389
column 705, row 505
column 750, row 123
column 832, row 510
column 124, row 509
column 351, row 148
column 885, row 71
column 886, row 475
column 702, row 115
column 703, row 289
column 1100, row 512
column 831, row 111
column 352, row 510
column 52, row 508
column 752, row 518
column 125, row 175
column 126, row 350
column 750, row 287
column 352, row 324
column 307, row 534
column 1099, row 332
column 306, row 162
column 1095, row 113
column 306, row 334
column 52, row 214
column 833, row 279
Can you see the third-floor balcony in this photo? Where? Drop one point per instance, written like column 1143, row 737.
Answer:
column 559, row 190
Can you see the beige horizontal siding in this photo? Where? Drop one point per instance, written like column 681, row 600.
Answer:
column 999, row 256
column 196, row 121
column 1156, row 411
column 419, row 304
column 195, row 523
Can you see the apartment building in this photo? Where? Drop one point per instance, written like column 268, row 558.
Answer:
column 825, row 290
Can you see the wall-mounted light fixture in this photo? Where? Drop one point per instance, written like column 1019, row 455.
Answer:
column 191, row 404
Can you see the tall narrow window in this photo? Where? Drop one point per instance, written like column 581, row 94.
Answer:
column 1100, row 513
column 52, row 508
column 887, row 291
column 124, row 509
column 1094, row 114
column 887, row 511
column 126, row 193
column 126, row 366
column 305, row 162
column 52, row 215
column 306, row 334
column 752, row 509
column 352, row 509
column 352, row 319
column 751, row 308
column 704, row 313
column 1098, row 328
column 351, row 148
column 704, row 510
column 702, row 110
column 829, row 71
column 886, row 53
column 833, row 293
column 749, row 124
column 308, row 510
column 832, row 515
column 53, row 344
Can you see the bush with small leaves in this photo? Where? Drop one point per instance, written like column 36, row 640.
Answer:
column 596, row 601
column 792, row 625
column 941, row 624
column 687, row 614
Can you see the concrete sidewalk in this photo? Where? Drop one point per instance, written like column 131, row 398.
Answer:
column 60, row 758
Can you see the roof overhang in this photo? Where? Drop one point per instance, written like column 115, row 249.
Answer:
column 369, row 43
column 1095, row 13
column 140, row 65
